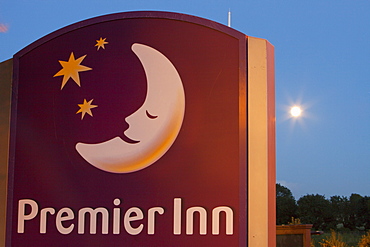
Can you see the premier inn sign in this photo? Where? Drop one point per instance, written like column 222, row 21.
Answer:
column 142, row 129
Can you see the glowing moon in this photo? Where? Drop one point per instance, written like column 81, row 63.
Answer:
column 155, row 125
column 295, row 111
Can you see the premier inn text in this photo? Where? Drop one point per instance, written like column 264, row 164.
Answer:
column 65, row 218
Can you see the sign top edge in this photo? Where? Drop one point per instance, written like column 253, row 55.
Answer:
column 133, row 15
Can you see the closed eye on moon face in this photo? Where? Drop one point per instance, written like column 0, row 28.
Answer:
column 150, row 116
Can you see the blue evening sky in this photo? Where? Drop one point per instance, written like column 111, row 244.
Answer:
column 322, row 51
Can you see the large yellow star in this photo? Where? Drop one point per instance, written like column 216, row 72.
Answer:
column 71, row 69
column 100, row 43
column 86, row 107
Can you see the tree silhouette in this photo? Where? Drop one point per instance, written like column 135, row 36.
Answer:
column 316, row 210
column 352, row 212
column 286, row 206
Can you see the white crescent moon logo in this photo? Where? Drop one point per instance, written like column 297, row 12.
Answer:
column 155, row 125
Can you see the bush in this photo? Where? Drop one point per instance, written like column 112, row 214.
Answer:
column 334, row 240
column 350, row 238
column 365, row 240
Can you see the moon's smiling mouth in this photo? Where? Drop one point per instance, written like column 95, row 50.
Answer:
column 129, row 140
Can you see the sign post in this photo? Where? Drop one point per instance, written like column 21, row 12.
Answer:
column 142, row 128
column 5, row 88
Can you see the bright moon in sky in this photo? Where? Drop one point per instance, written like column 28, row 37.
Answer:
column 295, row 111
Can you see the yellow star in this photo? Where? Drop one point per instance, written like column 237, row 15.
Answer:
column 71, row 69
column 101, row 42
column 86, row 107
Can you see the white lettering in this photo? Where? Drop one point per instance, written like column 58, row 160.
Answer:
column 138, row 215
column 93, row 215
column 133, row 218
column 68, row 215
column 202, row 220
column 116, row 216
column 43, row 218
column 151, row 218
column 216, row 220
column 22, row 216
column 177, row 216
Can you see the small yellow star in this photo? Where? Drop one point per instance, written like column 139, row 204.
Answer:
column 100, row 43
column 86, row 107
column 71, row 69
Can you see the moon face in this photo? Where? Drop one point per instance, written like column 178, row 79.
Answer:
column 153, row 127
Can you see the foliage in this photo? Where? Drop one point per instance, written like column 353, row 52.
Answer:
column 363, row 213
column 365, row 240
column 335, row 240
column 353, row 212
column 340, row 209
column 339, row 212
column 294, row 221
column 351, row 238
column 315, row 209
column 286, row 206
column 357, row 212
column 312, row 244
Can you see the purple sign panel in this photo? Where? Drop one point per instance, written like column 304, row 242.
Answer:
column 130, row 130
